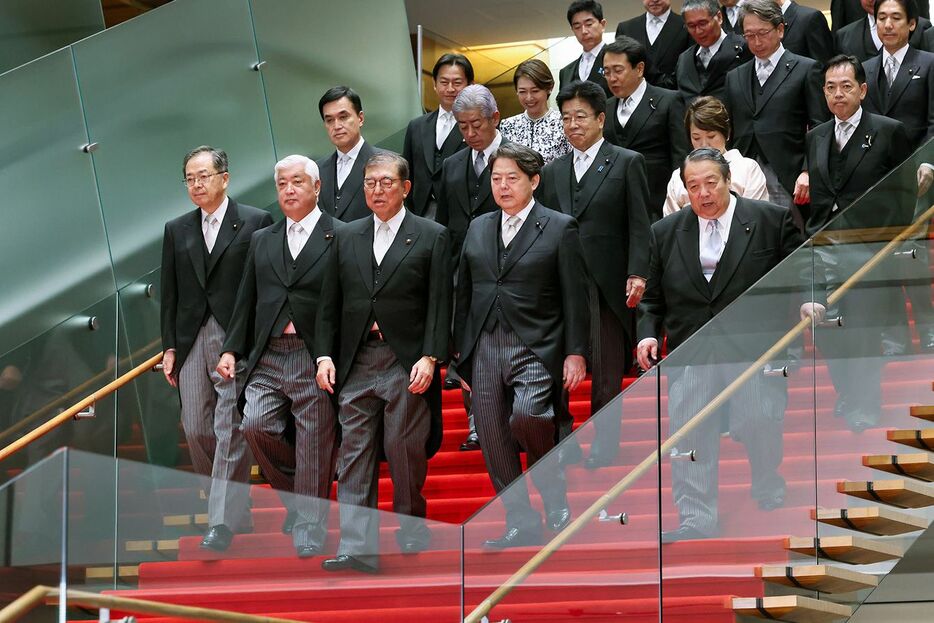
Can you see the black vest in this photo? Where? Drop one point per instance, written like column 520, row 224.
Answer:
column 473, row 182
column 837, row 159
column 577, row 187
column 502, row 252
column 702, row 72
column 285, row 314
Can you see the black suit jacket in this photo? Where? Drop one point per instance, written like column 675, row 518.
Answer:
column 656, row 130
column 454, row 202
column 732, row 53
column 807, row 33
column 541, row 289
column 352, row 203
column 726, row 25
column 661, row 56
column 678, row 300
column 911, row 98
column 879, row 144
column 611, row 214
column 269, row 284
column 419, row 150
column 777, row 116
column 844, row 12
column 410, row 298
column 569, row 73
column 195, row 284
column 856, row 39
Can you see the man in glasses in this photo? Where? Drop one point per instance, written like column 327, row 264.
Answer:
column 203, row 254
column 383, row 327
column 702, row 67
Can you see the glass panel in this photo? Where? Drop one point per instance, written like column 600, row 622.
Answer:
column 31, row 531
column 154, row 552
column 153, row 88
column 305, row 46
column 739, row 417
column 51, row 373
column 61, row 263
column 599, row 567
column 30, row 29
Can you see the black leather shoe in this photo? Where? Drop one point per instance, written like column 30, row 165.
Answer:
column 217, row 538
column 471, row 443
column 343, row 562
column 570, row 453
column 858, row 426
column 516, row 537
column 596, row 460
column 927, row 343
column 450, row 383
column 413, row 546
column 684, row 533
column 840, row 407
column 308, row 551
column 289, row 522
column 771, row 503
column 557, row 519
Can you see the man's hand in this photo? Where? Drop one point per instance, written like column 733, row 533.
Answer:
column 803, row 189
column 647, row 353
column 575, row 369
column 327, row 375
column 813, row 311
column 925, row 177
column 420, row 376
column 10, row 378
column 635, row 287
column 227, row 366
column 168, row 367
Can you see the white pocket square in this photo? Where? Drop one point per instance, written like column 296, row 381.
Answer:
column 916, row 77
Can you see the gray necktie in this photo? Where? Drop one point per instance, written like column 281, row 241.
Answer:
column 382, row 243
column 712, row 249
column 843, row 134
column 512, row 227
column 580, row 165
column 763, row 71
column 891, row 70
column 343, row 169
column 210, row 231
column 586, row 65
column 704, row 56
column 295, row 239
column 479, row 164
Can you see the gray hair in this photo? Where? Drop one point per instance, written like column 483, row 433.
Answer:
column 766, row 10
column 711, row 6
column 708, row 154
column 218, row 156
column 391, row 158
column 311, row 168
column 476, row 97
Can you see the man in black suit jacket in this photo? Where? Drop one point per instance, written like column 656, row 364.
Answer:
column 521, row 332
column 271, row 332
column 644, row 118
column 203, row 253
column 702, row 67
column 385, row 318
column 806, row 31
column 846, row 156
column 433, row 137
column 862, row 39
column 342, row 172
column 773, row 100
column 729, row 10
column 607, row 194
column 587, row 23
column 844, row 12
column 668, row 39
column 700, row 261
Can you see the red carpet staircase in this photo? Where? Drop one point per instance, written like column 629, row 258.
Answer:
column 607, row 573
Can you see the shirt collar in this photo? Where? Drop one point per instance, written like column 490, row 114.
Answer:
column 872, row 20
column 663, row 17
column 596, row 50
column 523, row 214
column 394, row 223
column 490, row 148
column 354, row 151
column 899, row 55
column 219, row 212
column 724, row 219
column 775, row 57
column 854, row 120
column 636, row 95
column 591, row 151
column 308, row 223
column 784, row 4
column 716, row 45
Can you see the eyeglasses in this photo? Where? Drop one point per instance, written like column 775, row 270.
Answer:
column 701, row 25
column 201, row 179
column 579, row 118
column 755, row 36
column 384, row 182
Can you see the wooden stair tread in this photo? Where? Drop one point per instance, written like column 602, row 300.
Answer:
column 876, row 520
column 924, row 412
column 852, row 550
column 902, row 492
column 824, row 578
column 200, row 519
column 920, row 466
column 793, row 608
column 107, row 573
column 159, row 545
column 923, row 439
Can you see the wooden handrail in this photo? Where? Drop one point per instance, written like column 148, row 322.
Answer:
column 51, row 596
column 76, row 408
column 672, row 442
column 71, row 393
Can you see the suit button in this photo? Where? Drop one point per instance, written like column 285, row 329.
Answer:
column 499, row 282
column 373, row 300
column 375, row 282
column 288, row 288
column 377, row 271
column 294, row 264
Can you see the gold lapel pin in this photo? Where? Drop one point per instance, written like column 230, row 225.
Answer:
column 408, row 241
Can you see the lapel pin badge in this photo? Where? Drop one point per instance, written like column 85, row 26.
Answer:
column 328, row 236
column 235, row 226
column 408, row 241
column 868, row 142
column 651, row 105
column 748, row 230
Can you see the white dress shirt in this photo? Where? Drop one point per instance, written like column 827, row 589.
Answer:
column 346, row 161
column 853, row 121
column 587, row 61
column 210, row 231
column 443, row 126
column 522, row 215
column 772, row 63
column 654, row 24
column 589, row 156
column 307, row 225
column 715, row 47
column 488, row 151
column 381, row 246
column 899, row 59
column 746, row 180
column 625, row 107
column 873, row 30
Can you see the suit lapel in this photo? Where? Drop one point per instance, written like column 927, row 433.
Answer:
column 531, row 229
column 452, row 143
column 722, row 59
column 596, row 71
column 275, row 244
column 861, row 141
column 328, row 173
column 401, row 245
column 639, row 116
column 822, row 149
column 354, row 180
column 786, row 65
column 194, row 242
column 689, row 248
column 873, row 69
column 906, row 73
column 664, row 39
column 693, row 78
column 742, row 230
column 463, row 179
column 228, row 231
column 564, row 171
column 747, row 76
column 486, row 189
column 363, row 251
column 605, row 159
column 317, row 243
column 791, row 14
column 491, row 236
column 429, row 139
column 868, row 44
